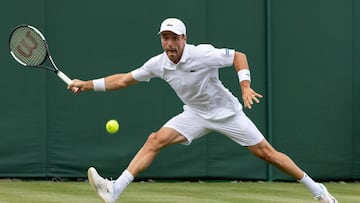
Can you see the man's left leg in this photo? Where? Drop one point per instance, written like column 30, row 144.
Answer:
column 243, row 131
column 266, row 152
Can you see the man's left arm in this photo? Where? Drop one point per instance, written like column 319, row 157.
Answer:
column 242, row 68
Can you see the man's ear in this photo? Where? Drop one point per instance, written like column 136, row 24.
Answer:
column 184, row 37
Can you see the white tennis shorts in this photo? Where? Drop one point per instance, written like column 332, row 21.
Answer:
column 239, row 127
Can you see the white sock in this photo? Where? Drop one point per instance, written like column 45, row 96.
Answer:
column 313, row 186
column 122, row 182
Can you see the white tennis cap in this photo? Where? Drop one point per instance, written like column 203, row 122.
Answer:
column 174, row 25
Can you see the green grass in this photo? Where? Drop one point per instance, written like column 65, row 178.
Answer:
column 173, row 192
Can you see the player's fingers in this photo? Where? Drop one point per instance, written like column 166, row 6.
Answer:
column 251, row 101
column 247, row 102
column 256, row 99
column 70, row 86
column 247, row 105
column 258, row 95
column 75, row 89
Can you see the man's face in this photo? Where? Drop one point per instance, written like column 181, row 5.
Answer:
column 173, row 45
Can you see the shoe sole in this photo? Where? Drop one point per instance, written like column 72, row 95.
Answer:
column 92, row 182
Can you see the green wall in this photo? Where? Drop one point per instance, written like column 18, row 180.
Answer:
column 312, row 85
column 303, row 56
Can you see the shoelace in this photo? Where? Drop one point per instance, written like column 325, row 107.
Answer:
column 104, row 184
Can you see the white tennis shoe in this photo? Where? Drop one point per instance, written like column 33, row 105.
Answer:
column 325, row 196
column 104, row 187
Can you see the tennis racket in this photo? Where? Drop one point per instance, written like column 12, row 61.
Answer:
column 28, row 47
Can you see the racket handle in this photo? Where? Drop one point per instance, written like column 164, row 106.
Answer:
column 67, row 80
column 64, row 77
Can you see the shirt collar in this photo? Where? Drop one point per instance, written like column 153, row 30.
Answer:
column 185, row 54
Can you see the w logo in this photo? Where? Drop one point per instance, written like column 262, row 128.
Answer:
column 27, row 45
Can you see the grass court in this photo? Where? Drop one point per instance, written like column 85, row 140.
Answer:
column 173, row 192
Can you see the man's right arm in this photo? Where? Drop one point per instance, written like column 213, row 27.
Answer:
column 112, row 82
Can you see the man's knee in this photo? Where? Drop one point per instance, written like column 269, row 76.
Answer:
column 154, row 141
column 270, row 156
column 265, row 152
column 162, row 138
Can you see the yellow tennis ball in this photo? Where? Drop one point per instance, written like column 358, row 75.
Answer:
column 112, row 126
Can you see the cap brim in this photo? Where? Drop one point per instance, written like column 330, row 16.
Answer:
column 174, row 31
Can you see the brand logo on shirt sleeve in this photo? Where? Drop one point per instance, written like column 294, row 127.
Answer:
column 227, row 52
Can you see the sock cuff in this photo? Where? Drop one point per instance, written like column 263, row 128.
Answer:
column 303, row 178
column 128, row 176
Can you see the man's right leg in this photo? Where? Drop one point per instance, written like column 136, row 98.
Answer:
column 109, row 191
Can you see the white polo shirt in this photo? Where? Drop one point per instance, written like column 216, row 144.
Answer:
column 195, row 79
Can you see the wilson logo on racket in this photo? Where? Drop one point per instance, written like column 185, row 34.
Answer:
column 29, row 48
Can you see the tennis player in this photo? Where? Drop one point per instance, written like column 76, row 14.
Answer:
column 192, row 71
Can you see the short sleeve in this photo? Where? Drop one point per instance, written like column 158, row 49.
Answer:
column 216, row 57
column 142, row 74
column 148, row 70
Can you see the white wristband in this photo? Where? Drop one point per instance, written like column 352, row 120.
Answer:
column 244, row 74
column 99, row 85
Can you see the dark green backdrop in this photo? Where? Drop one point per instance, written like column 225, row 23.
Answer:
column 304, row 57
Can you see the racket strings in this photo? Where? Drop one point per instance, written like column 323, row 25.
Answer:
column 28, row 46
